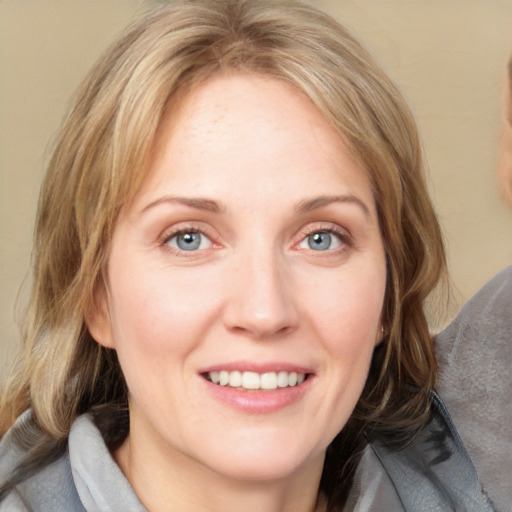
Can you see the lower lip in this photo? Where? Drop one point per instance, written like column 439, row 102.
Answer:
column 259, row 402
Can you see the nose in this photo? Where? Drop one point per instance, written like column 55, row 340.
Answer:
column 261, row 302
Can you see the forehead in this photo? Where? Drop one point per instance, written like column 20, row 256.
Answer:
column 241, row 130
column 247, row 100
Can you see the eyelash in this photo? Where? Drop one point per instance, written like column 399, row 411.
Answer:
column 343, row 237
column 169, row 235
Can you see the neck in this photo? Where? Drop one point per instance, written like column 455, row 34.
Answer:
column 179, row 484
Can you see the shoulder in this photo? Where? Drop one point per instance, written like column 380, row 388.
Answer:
column 486, row 316
column 85, row 477
column 434, row 472
column 10, row 451
column 50, row 488
column 475, row 381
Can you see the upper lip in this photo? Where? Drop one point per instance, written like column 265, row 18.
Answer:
column 257, row 367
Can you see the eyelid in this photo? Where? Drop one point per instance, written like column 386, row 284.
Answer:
column 185, row 227
column 333, row 229
column 176, row 246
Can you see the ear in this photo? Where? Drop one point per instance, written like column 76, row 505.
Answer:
column 381, row 334
column 97, row 318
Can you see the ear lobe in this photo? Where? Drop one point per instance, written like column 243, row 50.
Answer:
column 97, row 319
column 381, row 334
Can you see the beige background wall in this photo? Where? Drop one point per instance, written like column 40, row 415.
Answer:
column 448, row 56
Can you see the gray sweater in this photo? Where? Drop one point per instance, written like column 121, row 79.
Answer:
column 475, row 361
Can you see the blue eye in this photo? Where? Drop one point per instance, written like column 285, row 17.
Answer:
column 321, row 241
column 189, row 241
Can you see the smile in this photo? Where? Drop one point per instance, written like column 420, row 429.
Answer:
column 250, row 381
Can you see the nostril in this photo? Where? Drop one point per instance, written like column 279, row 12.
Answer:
column 260, row 324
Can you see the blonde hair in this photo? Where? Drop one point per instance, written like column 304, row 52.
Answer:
column 100, row 160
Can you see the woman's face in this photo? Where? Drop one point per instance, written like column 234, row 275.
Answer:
column 246, row 284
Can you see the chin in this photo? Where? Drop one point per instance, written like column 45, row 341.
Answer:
column 266, row 472
column 264, row 463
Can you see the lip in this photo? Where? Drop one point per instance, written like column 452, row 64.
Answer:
column 257, row 402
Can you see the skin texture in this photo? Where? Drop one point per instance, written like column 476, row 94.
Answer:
column 505, row 161
column 258, row 166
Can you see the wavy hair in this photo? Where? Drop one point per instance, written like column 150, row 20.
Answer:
column 100, row 160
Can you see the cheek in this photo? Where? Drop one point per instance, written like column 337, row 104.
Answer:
column 157, row 322
column 348, row 311
column 159, row 313
column 347, row 321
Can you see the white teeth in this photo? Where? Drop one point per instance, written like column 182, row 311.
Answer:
column 282, row 380
column 269, row 381
column 235, row 379
column 253, row 380
column 250, row 380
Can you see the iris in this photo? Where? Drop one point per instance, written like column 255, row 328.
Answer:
column 320, row 241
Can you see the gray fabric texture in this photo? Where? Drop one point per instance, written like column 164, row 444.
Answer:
column 85, row 479
column 372, row 490
column 434, row 473
column 475, row 359
column 100, row 483
column 51, row 489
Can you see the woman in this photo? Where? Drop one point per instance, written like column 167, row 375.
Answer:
column 233, row 247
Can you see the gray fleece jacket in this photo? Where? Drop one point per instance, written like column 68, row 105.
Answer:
column 475, row 362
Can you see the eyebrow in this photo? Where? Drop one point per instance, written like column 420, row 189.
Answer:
column 304, row 206
column 198, row 203
column 321, row 201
